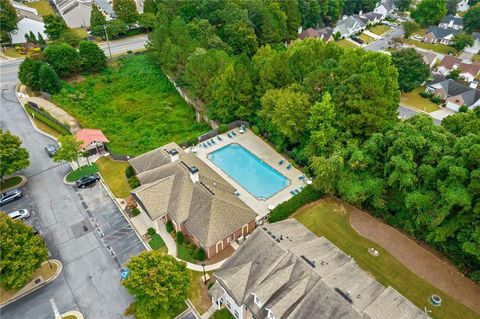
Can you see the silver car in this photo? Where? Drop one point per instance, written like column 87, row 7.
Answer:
column 21, row 214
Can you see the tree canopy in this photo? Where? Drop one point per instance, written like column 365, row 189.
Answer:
column 412, row 71
column 429, row 12
column 410, row 27
column 92, row 58
column 64, row 59
column 22, row 253
column 12, row 155
column 8, row 17
column 461, row 41
column 97, row 21
column 126, row 10
column 55, row 26
column 69, row 149
column 48, row 79
column 471, row 20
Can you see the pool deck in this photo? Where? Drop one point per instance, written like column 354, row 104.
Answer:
column 267, row 154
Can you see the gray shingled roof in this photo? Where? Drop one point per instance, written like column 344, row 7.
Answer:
column 441, row 32
column 456, row 20
column 297, row 275
column 452, row 88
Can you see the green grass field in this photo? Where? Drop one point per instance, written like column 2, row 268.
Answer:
column 113, row 173
column 440, row 48
column 10, row 182
column 43, row 7
column 156, row 242
column 367, row 39
column 413, row 99
column 81, row 172
column 223, row 314
column 379, row 29
column 134, row 104
column 346, row 44
column 80, row 32
column 330, row 219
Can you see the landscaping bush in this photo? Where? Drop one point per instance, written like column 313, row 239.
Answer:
column 256, row 130
column 129, row 172
column 222, row 128
column 151, row 231
column 436, row 99
column 463, row 108
column 193, row 141
column 426, row 94
column 180, row 238
column 133, row 182
column 187, row 242
column 199, row 254
column 48, row 120
column 135, row 211
column 285, row 209
column 169, row 226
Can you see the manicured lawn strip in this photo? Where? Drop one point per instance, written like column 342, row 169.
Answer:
column 9, row 182
column 476, row 58
column 11, row 52
column 185, row 253
column 47, row 129
column 43, row 7
column 40, row 117
column 367, row 39
column 346, row 44
column 223, row 314
column 413, row 99
column 440, row 48
column 113, row 173
column 379, row 29
column 330, row 219
column 134, row 104
column 156, row 242
column 198, row 292
column 81, row 172
column 80, row 32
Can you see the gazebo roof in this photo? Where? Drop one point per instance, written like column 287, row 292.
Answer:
column 88, row 136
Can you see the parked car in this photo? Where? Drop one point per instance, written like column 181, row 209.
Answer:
column 10, row 196
column 21, row 214
column 87, row 180
column 357, row 39
column 51, row 150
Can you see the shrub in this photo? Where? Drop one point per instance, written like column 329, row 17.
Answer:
column 199, row 254
column 222, row 128
column 133, row 182
column 193, row 141
column 129, row 172
column 92, row 57
column 180, row 238
column 129, row 51
column 151, row 231
column 135, row 211
column 37, row 50
column 436, row 99
column 285, row 209
column 169, row 226
column 426, row 94
column 256, row 130
column 463, row 108
column 187, row 242
column 64, row 59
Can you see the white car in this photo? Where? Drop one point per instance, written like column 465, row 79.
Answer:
column 21, row 214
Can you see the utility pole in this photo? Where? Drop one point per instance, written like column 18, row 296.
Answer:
column 108, row 41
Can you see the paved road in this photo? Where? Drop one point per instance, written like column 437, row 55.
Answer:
column 382, row 43
column 67, row 219
column 124, row 45
column 406, row 113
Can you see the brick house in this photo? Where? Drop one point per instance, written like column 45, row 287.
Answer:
column 455, row 94
column 440, row 35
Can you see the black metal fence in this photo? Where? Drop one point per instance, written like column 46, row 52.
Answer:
column 215, row 131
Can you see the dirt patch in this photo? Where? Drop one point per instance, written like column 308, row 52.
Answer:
column 75, row 79
column 418, row 259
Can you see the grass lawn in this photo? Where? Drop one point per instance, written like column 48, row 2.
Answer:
column 113, row 173
column 185, row 253
column 134, row 104
column 198, row 292
column 346, row 44
column 156, row 242
column 330, row 219
column 80, row 32
column 413, row 99
column 47, row 129
column 47, row 121
column 367, row 39
column 81, row 172
column 43, row 7
column 11, row 52
column 9, row 182
column 476, row 58
column 379, row 29
column 223, row 314
column 440, row 48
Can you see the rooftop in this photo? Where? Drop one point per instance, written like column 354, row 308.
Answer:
column 88, row 136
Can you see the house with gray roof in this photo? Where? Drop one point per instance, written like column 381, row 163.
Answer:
column 451, row 22
column 349, row 26
column 76, row 13
column 28, row 20
column 284, row 271
column 178, row 186
column 440, row 35
column 384, row 7
column 455, row 94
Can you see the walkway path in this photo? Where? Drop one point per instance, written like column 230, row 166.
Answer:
column 418, row 259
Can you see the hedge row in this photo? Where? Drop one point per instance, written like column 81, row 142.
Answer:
column 285, row 209
column 48, row 120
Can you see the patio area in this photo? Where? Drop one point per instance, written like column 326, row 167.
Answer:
column 264, row 152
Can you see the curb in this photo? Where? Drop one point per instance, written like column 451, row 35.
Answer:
column 21, row 184
column 67, row 182
column 55, row 276
column 75, row 313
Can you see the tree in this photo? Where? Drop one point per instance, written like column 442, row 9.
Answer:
column 159, row 284
column 97, row 21
column 8, row 17
column 150, row 6
column 461, row 41
column 410, row 27
column 452, row 6
column 48, row 79
column 454, row 74
column 429, row 12
column 54, row 26
column 126, row 10
column 92, row 58
column 116, row 27
column 41, row 40
column 412, row 71
column 241, row 37
column 31, row 37
column 69, row 150
column 471, row 20
column 64, row 59
column 22, row 252
column 12, row 155
column 403, row 5
column 28, row 73
column 147, row 20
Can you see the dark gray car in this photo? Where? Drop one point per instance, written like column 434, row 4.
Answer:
column 10, row 196
column 51, row 150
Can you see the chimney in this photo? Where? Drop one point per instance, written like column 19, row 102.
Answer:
column 173, row 155
column 474, row 84
column 300, row 29
column 194, row 174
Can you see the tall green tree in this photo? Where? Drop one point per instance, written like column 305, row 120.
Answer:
column 159, row 284
column 150, row 6
column 429, row 12
column 69, row 150
column 116, row 27
column 461, row 41
column 126, row 10
column 28, row 73
column 403, row 5
column 22, row 253
column 8, row 17
column 97, row 21
column 452, row 6
column 64, row 59
column 412, row 71
column 13, row 157
column 293, row 21
column 410, row 27
column 471, row 20
column 55, row 26
column 92, row 58
column 48, row 79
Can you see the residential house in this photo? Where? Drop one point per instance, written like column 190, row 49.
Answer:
column 76, row 13
column 385, row 7
column 455, row 94
column 440, row 35
column 475, row 48
column 371, row 18
column 93, row 141
column 284, row 271
column 429, row 58
column 349, row 26
column 28, row 21
column 106, row 8
column 23, row 8
column 324, row 34
column 451, row 22
column 463, row 6
column 178, row 186
column 468, row 71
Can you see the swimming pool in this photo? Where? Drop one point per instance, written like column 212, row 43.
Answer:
column 256, row 176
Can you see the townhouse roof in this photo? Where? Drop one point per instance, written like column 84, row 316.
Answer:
column 388, row 4
column 75, row 12
column 346, row 25
column 371, row 16
column 309, row 33
column 456, row 20
column 428, row 57
column 295, row 274
column 450, row 61
column 88, row 136
column 472, row 68
column 208, row 207
column 442, row 33
column 469, row 95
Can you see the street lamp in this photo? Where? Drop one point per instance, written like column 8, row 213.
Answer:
column 204, row 275
column 108, row 41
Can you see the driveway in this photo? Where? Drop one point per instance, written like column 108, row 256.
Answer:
column 382, row 43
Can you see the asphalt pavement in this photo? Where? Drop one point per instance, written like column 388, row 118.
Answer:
column 382, row 43
column 124, row 45
column 72, row 223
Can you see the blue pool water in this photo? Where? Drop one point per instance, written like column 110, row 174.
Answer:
column 256, row 176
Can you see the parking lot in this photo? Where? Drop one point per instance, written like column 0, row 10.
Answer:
column 24, row 202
